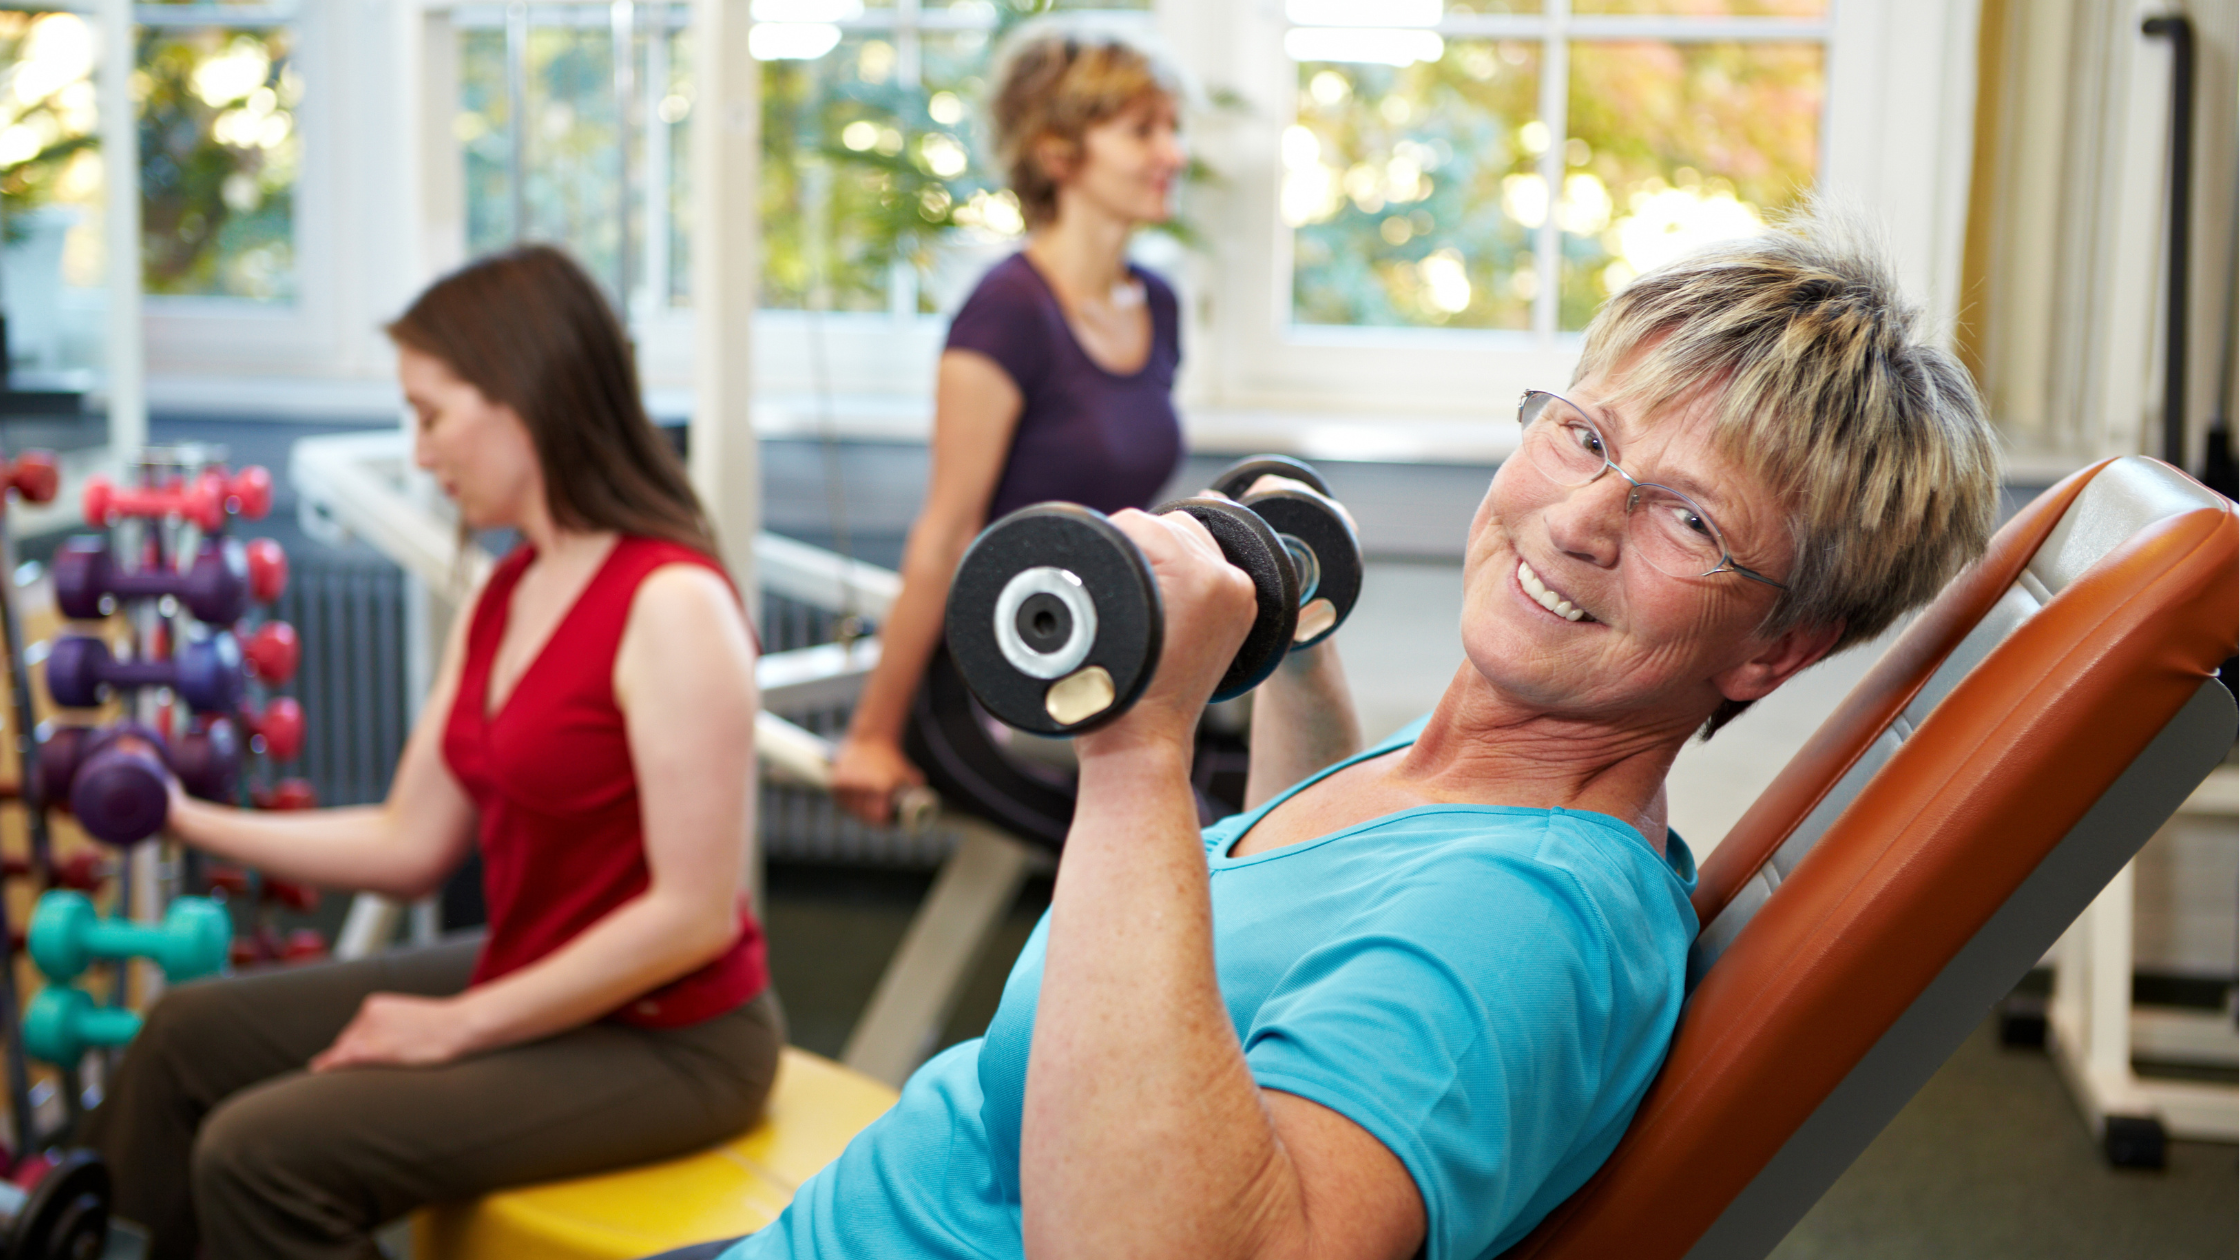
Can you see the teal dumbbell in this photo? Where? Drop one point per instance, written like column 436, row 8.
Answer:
column 62, row 1023
column 68, row 935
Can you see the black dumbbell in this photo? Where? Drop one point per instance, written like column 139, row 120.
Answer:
column 216, row 590
column 206, row 673
column 1323, row 548
column 1055, row 620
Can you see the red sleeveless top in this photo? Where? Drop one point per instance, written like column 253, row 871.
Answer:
column 563, row 842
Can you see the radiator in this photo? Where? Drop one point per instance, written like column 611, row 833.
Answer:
column 350, row 613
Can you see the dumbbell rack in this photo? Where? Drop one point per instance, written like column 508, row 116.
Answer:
column 162, row 558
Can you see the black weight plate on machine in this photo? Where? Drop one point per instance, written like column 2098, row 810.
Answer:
column 949, row 738
column 1248, row 543
column 66, row 1216
column 1237, row 478
column 1058, row 542
column 1318, row 525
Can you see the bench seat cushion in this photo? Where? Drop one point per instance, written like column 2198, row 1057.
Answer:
column 732, row 1189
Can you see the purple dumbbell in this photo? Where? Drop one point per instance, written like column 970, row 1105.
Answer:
column 113, row 778
column 206, row 673
column 216, row 589
column 121, row 790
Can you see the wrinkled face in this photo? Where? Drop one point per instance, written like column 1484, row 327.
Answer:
column 477, row 450
column 1129, row 164
column 1646, row 645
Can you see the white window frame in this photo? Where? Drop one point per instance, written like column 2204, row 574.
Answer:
column 1896, row 138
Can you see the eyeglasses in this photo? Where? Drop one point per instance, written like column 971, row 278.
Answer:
column 1666, row 528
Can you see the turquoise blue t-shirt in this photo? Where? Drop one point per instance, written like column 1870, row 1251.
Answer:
column 1488, row 990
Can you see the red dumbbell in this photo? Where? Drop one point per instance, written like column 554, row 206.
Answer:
column 201, row 500
column 280, row 726
column 286, row 794
column 272, row 653
column 33, row 476
column 83, row 870
column 268, row 570
column 303, row 945
column 248, row 493
column 284, row 893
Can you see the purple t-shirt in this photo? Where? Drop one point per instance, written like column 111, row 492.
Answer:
column 1085, row 435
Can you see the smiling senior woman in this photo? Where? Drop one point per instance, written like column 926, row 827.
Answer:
column 1422, row 992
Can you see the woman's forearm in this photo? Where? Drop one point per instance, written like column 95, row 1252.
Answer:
column 641, row 945
column 1302, row 720
column 355, row 847
column 1144, row 1132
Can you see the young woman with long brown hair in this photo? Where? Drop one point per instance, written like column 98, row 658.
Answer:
column 591, row 731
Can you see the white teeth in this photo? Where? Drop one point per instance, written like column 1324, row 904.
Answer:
column 1548, row 599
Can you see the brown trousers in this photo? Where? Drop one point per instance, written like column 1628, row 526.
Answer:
column 218, row 1137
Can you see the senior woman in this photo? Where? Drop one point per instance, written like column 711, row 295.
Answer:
column 1423, row 990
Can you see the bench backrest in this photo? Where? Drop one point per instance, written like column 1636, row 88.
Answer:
column 2014, row 748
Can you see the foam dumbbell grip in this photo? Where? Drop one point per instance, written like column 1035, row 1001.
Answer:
column 272, row 652
column 34, row 476
column 215, row 589
column 268, row 569
column 207, row 674
column 68, row 935
column 62, row 1023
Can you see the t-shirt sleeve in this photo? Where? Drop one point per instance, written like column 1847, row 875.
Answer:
column 1004, row 320
column 1470, row 1045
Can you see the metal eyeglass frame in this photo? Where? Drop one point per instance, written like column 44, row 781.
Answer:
column 1727, row 562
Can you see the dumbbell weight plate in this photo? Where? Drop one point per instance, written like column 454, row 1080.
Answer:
column 1325, row 553
column 1247, row 542
column 66, row 1215
column 1236, row 480
column 1054, row 619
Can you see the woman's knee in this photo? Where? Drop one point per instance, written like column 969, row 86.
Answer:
column 188, row 1014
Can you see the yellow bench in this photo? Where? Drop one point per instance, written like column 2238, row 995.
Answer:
column 736, row 1188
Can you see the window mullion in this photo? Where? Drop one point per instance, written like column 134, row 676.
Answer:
column 1555, row 86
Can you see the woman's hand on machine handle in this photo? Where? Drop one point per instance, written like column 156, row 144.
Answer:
column 867, row 774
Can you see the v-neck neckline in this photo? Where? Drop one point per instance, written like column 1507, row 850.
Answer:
column 492, row 711
column 1073, row 334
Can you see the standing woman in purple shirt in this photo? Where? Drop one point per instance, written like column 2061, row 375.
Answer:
column 1057, row 380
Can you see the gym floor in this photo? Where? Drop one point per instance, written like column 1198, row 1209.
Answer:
column 1991, row 1160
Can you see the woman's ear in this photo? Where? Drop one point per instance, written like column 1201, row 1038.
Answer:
column 1776, row 661
column 1057, row 157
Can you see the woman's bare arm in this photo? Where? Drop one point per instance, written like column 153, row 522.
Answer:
column 1302, row 721
column 403, row 847
column 1144, row 1131
column 976, row 410
column 684, row 678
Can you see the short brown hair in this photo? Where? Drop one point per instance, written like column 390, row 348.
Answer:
column 529, row 330
column 1057, row 85
column 1876, row 440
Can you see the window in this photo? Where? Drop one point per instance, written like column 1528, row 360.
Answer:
column 219, row 152
column 50, row 198
column 1430, row 198
column 1505, row 170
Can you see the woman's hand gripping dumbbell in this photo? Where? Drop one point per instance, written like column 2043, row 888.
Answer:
column 1055, row 621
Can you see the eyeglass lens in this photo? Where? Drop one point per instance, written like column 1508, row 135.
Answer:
column 1664, row 528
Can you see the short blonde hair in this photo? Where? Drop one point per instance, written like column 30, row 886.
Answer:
column 1876, row 440
column 1057, row 82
